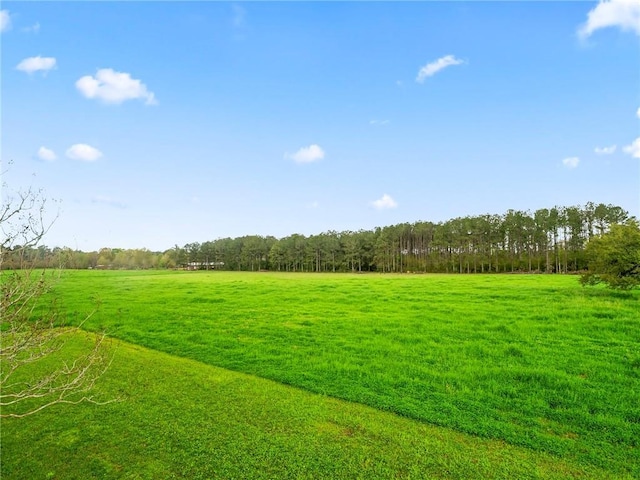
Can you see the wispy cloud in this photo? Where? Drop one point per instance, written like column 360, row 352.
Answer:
column 239, row 15
column 108, row 201
column 384, row 202
column 35, row 64
column 638, row 112
column 571, row 162
column 309, row 154
column 114, row 87
column 46, row 154
column 5, row 20
column 624, row 14
column 379, row 122
column 432, row 68
column 606, row 150
column 83, row 152
column 633, row 149
column 35, row 28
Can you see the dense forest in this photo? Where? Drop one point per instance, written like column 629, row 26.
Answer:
column 546, row 241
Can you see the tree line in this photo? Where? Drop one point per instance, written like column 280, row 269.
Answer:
column 549, row 240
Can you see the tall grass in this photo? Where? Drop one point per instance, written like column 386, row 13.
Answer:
column 180, row 419
column 535, row 361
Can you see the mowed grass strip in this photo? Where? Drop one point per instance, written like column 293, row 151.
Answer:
column 181, row 419
column 536, row 361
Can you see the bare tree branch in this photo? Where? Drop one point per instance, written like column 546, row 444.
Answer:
column 33, row 334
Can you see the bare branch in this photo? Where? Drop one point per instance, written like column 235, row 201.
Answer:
column 35, row 372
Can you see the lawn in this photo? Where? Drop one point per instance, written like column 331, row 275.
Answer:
column 516, row 363
column 179, row 419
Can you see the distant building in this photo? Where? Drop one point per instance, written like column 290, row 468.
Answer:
column 203, row 265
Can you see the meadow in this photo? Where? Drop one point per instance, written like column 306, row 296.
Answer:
column 348, row 376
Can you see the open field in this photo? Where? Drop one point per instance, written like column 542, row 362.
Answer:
column 536, row 375
column 182, row 419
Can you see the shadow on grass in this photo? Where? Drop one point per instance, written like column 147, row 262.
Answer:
column 604, row 292
column 601, row 292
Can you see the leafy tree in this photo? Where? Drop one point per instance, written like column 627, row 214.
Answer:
column 332, row 249
column 614, row 257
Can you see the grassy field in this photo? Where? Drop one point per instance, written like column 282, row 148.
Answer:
column 180, row 419
column 536, row 375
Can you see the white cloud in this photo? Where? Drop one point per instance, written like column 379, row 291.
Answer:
column 432, row 68
column 638, row 112
column 309, row 154
column 633, row 149
column 385, row 202
column 605, row 150
column 108, row 201
column 239, row 14
column 35, row 28
column 5, row 20
column 571, row 162
column 34, row 64
column 83, row 152
column 114, row 87
column 624, row 14
column 379, row 122
column 46, row 154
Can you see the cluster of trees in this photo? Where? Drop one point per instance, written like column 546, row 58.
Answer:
column 614, row 258
column 547, row 240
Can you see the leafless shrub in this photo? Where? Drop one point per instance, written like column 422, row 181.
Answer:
column 33, row 334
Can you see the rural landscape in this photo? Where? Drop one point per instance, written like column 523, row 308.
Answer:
column 549, row 240
column 320, row 240
column 307, row 373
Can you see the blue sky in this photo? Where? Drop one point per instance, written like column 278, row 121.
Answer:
column 160, row 123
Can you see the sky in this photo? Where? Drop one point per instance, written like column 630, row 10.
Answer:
column 154, row 124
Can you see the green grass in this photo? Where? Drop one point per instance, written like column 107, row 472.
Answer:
column 180, row 419
column 528, row 361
